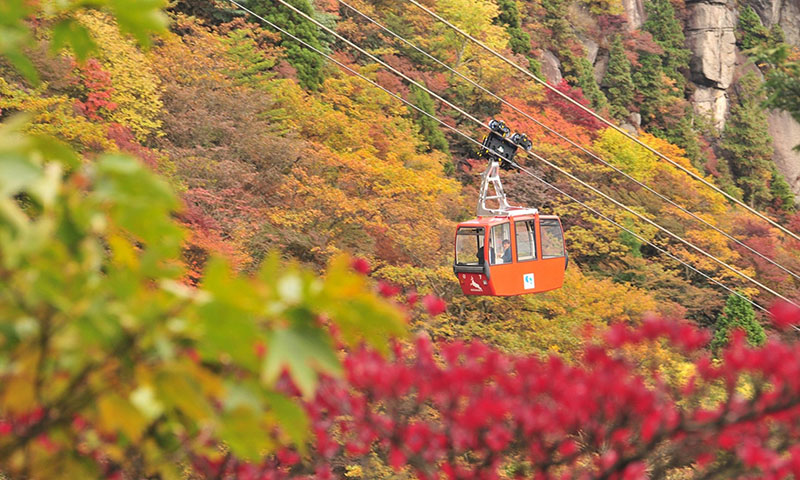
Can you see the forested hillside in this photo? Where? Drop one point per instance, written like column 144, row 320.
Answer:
column 274, row 148
column 282, row 161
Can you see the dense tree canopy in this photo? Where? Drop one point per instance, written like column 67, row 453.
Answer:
column 213, row 247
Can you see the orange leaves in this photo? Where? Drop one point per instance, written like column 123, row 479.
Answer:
column 363, row 183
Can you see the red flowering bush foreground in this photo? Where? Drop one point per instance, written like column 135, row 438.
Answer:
column 467, row 411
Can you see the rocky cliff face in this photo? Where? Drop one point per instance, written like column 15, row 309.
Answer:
column 786, row 13
column 716, row 63
column 634, row 11
column 710, row 35
column 785, row 131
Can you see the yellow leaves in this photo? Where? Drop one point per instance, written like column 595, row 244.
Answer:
column 669, row 150
column 116, row 414
column 183, row 393
column 604, row 7
column 54, row 116
column 122, row 252
column 196, row 57
column 135, row 87
column 476, row 17
column 679, row 185
column 367, row 187
column 563, row 315
column 631, row 158
column 354, row 471
column 604, row 300
column 591, row 236
column 244, row 430
column 18, row 390
column 342, row 282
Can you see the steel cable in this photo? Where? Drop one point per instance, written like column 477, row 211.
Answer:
column 568, row 140
column 605, row 121
column 535, row 156
column 470, row 139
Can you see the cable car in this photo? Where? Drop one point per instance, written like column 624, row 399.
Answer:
column 507, row 250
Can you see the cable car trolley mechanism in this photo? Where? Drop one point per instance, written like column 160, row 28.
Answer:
column 507, row 250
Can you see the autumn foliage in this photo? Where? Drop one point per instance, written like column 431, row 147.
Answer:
column 178, row 299
column 464, row 410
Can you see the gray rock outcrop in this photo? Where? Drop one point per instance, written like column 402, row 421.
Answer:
column 785, row 13
column 785, row 133
column 591, row 47
column 634, row 11
column 711, row 38
column 783, row 129
column 711, row 103
column 601, row 66
column 551, row 67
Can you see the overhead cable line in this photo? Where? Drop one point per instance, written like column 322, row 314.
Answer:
column 639, row 237
column 467, row 137
column 470, row 139
column 605, row 121
column 537, row 157
column 570, row 141
column 668, row 232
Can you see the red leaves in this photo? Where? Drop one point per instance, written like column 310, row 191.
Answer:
column 784, row 314
column 260, row 349
column 569, row 110
column 97, row 83
column 416, row 436
column 388, row 290
column 193, row 355
column 497, row 438
column 434, row 304
column 397, row 459
column 287, row 456
column 680, row 333
column 411, row 298
column 635, row 471
column 608, row 459
column 360, row 265
column 78, row 423
column 649, row 427
column 425, row 406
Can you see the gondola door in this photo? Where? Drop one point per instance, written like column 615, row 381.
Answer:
column 501, row 259
column 552, row 254
column 472, row 259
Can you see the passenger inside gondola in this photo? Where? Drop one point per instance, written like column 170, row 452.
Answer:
column 506, row 251
column 499, row 235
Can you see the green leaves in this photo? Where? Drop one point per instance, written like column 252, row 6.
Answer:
column 286, row 308
column 244, row 431
column 618, row 81
column 90, row 257
column 140, row 18
column 304, row 351
column 68, row 33
column 15, row 36
column 782, row 79
column 138, row 200
column 738, row 313
column 747, row 145
column 308, row 64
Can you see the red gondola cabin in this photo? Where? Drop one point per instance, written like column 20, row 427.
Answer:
column 507, row 250
column 534, row 262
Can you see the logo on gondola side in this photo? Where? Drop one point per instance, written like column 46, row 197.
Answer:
column 527, row 279
column 474, row 286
